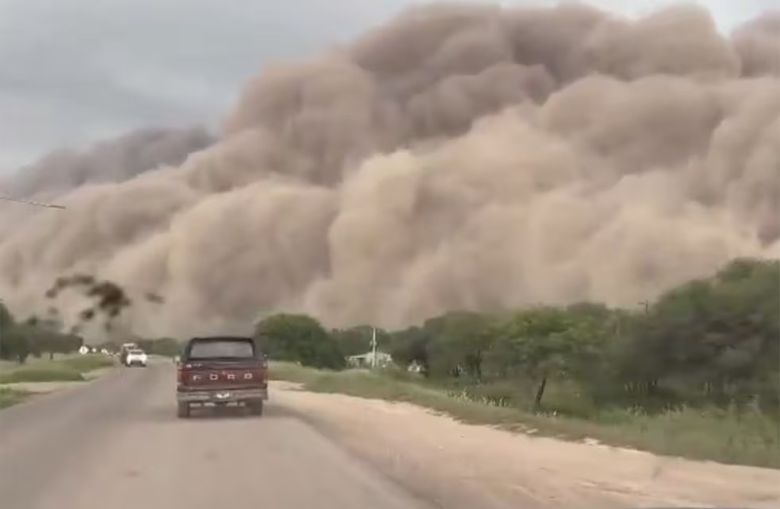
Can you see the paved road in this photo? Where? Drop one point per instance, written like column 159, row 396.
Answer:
column 116, row 443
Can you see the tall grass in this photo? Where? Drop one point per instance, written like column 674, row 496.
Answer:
column 729, row 436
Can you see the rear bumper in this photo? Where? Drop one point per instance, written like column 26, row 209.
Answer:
column 222, row 395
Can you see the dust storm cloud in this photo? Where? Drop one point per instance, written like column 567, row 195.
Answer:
column 109, row 161
column 456, row 157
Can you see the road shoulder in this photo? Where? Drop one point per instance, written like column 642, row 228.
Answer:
column 458, row 465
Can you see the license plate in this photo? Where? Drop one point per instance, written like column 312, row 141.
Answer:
column 223, row 395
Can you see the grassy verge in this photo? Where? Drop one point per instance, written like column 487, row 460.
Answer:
column 10, row 397
column 711, row 434
column 87, row 363
column 41, row 374
column 70, row 369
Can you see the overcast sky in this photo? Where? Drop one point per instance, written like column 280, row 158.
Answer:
column 74, row 71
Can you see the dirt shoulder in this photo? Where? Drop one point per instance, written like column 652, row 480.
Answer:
column 465, row 466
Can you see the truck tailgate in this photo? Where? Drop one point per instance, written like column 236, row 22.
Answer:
column 208, row 375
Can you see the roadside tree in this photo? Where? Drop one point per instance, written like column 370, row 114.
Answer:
column 299, row 338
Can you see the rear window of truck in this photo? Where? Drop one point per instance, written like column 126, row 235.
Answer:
column 227, row 348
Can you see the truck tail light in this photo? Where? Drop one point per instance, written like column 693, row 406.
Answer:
column 182, row 372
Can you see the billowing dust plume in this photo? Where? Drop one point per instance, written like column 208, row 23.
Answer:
column 109, row 161
column 457, row 157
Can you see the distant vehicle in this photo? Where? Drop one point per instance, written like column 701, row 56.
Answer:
column 220, row 371
column 136, row 357
column 124, row 349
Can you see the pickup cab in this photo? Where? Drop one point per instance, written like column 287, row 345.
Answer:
column 219, row 371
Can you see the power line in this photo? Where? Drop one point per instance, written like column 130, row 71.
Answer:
column 31, row 202
column 34, row 204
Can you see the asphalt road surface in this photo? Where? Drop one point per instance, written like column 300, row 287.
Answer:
column 115, row 443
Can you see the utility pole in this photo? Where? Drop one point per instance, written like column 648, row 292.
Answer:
column 373, row 348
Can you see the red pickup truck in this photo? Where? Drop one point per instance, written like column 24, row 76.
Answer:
column 220, row 371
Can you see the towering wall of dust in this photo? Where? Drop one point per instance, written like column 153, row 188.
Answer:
column 112, row 160
column 457, row 157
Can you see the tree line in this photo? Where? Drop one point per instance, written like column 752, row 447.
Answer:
column 35, row 337
column 714, row 340
column 21, row 339
column 711, row 341
column 48, row 335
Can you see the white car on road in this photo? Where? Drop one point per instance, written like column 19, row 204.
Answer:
column 136, row 358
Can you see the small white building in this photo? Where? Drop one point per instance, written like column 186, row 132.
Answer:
column 366, row 360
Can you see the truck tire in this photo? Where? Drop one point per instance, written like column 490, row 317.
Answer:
column 183, row 410
column 256, row 407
